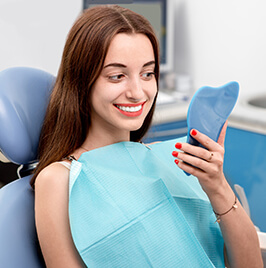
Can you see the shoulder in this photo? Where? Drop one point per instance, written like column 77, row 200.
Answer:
column 51, row 186
column 51, row 217
column 51, row 192
column 51, row 198
column 53, row 175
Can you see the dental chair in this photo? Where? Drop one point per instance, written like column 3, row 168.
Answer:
column 24, row 94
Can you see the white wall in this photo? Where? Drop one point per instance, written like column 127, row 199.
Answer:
column 222, row 40
column 215, row 40
column 33, row 32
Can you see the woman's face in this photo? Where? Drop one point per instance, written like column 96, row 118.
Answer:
column 124, row 92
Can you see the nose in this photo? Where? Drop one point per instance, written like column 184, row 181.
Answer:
column 135, row 90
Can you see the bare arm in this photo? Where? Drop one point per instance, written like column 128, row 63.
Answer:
column 241, row 241
column 51, row 215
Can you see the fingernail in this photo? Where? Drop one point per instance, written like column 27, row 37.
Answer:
column 194, row 132
column 176, row 161
column 178, row 145
column 175, row 153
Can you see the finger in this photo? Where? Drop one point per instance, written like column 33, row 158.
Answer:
column 221, row 138
column 196, row 162
column 195, row 151
column 203, row 139
column 190, row 169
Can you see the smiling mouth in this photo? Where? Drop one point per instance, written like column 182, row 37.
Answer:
column 130, row 109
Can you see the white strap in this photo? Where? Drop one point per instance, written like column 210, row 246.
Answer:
column 66, row 164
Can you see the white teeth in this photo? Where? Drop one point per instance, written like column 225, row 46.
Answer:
column 129, row 109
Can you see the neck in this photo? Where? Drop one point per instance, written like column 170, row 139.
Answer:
column 97, row 139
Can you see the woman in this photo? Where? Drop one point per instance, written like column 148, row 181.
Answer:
column 96, row 214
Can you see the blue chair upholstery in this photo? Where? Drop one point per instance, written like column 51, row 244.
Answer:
column 24, row 94
column 19, row 245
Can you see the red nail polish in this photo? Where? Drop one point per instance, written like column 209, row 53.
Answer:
column 178, row 145
column 194, row 132
column 175, row 153
column 176, row 161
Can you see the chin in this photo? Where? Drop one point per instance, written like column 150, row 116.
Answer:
column 136, row 127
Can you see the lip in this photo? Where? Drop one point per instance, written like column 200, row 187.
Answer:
column 130, row 114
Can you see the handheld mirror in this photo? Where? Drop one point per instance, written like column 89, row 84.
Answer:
column 209, row 109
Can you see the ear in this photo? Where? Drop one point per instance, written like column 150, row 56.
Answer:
column 222, row 134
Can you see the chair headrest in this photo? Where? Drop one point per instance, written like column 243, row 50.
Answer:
column 24, row 95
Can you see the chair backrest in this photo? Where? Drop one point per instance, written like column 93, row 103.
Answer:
column 24, row 95
column 19, row 245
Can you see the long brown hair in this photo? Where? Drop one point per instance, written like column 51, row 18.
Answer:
column 67, row 119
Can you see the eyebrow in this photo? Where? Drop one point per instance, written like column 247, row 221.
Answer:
column 149, row 63
column 120, row 65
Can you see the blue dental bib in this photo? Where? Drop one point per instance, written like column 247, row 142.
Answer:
column 131, row 206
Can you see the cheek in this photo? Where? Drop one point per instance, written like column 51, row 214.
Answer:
column 101, row 96
column 152, row 94
column 153, row 91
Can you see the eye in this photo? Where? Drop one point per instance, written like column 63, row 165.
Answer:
column 148, row 75
column 116, row 77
